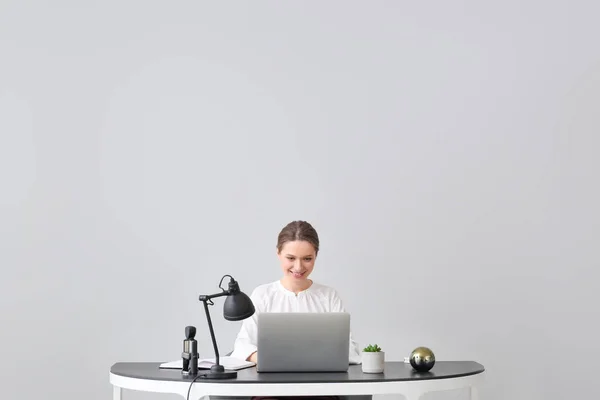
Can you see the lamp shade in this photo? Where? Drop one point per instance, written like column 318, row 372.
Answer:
column 238, row 306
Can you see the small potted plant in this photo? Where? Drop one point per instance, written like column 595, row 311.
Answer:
column 373, row 359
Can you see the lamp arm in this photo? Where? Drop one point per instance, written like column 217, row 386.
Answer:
column 212, row 332
column 208, row 297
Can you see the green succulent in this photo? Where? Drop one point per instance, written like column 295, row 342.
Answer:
column 372, row 348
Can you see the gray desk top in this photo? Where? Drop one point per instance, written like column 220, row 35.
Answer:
column 394, row 371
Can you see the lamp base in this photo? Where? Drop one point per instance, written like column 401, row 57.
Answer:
column 218, row 372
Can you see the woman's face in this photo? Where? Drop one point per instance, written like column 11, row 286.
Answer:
column 297, row 259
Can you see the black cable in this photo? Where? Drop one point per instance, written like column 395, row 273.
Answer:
column 190, row 388
column 220, row 283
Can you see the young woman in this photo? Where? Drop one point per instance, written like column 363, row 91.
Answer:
column 297, row 249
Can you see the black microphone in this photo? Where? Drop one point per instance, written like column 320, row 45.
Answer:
column 190, row 352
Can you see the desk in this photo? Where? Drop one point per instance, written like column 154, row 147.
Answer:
column 398, row 378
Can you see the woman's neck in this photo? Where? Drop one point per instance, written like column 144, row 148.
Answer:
column 296, row 286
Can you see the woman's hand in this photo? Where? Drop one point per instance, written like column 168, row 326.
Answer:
column 252, row 358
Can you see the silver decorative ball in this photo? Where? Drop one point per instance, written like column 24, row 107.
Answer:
column 422, row 359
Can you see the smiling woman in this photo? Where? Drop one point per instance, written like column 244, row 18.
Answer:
column 297, row 250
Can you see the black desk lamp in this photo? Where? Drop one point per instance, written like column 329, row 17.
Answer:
column 238, row 306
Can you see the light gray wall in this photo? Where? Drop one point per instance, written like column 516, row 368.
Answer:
column 445, row 151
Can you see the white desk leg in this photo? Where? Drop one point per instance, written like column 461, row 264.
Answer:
column 474, row 393
column 117, row 393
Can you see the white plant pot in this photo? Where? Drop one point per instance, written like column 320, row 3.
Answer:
column 373, row 362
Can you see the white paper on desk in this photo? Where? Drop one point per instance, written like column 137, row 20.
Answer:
column 230, row 363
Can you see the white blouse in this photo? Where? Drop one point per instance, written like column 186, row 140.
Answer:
column 274, row 297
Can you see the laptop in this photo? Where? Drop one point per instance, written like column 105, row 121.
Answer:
column 303, row 342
